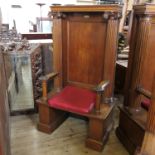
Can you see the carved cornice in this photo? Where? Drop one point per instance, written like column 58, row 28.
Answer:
column 87, row 8
column 112, row 15
column 144, row 9
column 105, row 15
column 109, row 11
column 146, row 17
column 58, row 15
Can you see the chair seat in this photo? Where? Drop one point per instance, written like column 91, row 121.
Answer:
column 74, row 99
column 145, row 104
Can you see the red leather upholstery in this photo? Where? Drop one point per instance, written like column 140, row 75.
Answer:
column 73, row 99
column 145, row 104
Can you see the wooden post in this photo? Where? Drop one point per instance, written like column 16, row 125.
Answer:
column 44, row 86
column 141, row 51
column 98, row 102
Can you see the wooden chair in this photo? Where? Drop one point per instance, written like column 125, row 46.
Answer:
column 139, row 81
column 85, row 43
column 148, row 143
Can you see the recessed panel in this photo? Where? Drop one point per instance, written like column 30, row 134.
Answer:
column 85, row 52
column 149, row 68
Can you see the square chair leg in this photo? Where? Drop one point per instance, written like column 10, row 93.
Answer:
column 49, row 118
column 98, row 132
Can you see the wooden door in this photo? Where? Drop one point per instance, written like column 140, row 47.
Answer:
column 4, row 113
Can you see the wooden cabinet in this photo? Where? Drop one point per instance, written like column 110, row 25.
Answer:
column 4, row 113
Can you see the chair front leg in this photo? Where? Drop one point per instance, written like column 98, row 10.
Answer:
column 49, row 118
column 98, row 131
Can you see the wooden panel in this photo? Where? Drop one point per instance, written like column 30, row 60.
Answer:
column 110, row 55
column 149, row 66
column 57, row 52
column 4, row 114
column 82, row 66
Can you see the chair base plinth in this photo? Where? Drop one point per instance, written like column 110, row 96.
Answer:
column 129, row 131
column 93, row 144
column 98, row 132
column 49, row 118
column 44, row 128
column 130, row 147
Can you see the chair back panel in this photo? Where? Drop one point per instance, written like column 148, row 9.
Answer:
column 85, row 44
column 83, row 59
column 149, row 64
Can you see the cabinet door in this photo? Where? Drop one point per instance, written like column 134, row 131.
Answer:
column 4, row 114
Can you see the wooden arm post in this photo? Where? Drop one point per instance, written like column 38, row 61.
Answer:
column 44, row 83
column 44, row 86
column 98, row 101
column 99, row 89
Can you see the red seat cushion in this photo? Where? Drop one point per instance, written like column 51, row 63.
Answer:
column 73, row 99
column 145, row 104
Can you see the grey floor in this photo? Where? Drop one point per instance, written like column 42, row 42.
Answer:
column 68, row 139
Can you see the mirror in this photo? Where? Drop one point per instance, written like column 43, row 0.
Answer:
column 18, row 70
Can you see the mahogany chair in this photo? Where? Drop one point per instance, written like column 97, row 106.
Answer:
column 148, row 143
column 139, row 81
column 85, row 43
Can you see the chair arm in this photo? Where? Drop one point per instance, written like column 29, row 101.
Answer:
column 99, row 89
column 44, row 80
column 144, row 92
column 48, row 76
column 101, row 86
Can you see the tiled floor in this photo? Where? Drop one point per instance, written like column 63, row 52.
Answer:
column 68, row 139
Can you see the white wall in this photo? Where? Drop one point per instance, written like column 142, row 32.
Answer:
column 28, row 12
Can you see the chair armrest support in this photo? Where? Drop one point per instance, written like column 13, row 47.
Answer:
column 99, row 89
column 44, row 80
column 48, row 76
column 144, row 92
column 101, row 86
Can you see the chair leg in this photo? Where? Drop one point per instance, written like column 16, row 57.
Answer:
column 49, row 118
column 98, row 132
